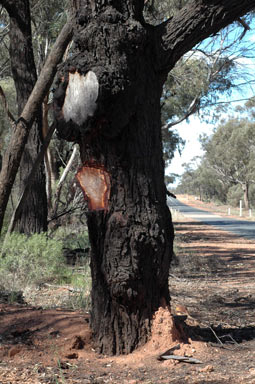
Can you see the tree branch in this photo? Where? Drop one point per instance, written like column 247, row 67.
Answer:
column 193, row 107
column 195, row 22
column 62, row 179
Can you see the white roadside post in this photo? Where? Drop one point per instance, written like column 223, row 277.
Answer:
column 240, row 207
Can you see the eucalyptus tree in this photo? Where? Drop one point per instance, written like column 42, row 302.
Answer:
column 230, row 152
column 201, row 180
column 108, row 100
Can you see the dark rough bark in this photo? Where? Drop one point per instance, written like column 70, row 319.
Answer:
column 30, row 179
column 115, row 118
column 33, row 213
column 12, row 156
column 131, row 242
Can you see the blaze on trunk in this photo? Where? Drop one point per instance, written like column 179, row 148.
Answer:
column 107, row 100
column 33, row 214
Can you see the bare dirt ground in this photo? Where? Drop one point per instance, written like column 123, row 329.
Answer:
column 213, row 295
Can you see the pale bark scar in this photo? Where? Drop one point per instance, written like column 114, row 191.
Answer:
column 95, row 184
column 81, row 96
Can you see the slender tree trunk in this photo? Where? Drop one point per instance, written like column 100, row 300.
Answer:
column 50, row 176
column 245, row 188
column 33, row 214
column 30, row 179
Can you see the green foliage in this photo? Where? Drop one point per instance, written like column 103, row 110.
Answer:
column 191, row 86
column 200, row 180
column 170, row 179
column 48, row 18
column 195, row 79
column 38, row 259
column 171, row 142
column 72, row 236
column 235, row 194
column 30, row 260
column 78, row 276
column 231, row 151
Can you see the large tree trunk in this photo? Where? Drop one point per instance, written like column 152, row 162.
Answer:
column 131, row 237
column 108, row 100
column 33, row 213
column 132, row 241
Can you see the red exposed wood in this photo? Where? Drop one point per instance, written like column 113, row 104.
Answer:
column 95, row 184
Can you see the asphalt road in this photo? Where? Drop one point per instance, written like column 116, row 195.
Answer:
column 239, row 227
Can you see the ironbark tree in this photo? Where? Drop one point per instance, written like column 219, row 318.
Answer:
column 108, row 100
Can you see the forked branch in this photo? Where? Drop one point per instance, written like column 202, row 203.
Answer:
column 192, row 24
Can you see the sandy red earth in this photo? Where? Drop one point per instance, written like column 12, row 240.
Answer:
column 213, row 297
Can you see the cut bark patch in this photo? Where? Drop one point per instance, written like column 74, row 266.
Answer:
column 95, row 183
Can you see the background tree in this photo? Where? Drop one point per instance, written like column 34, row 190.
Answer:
column 32, row 215
column 119, row 66
column 226, row 171
column 201, row 180
column 230, row 152
column 14, row 151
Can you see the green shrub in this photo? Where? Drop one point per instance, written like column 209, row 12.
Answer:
column 30, row 260
column 71, row 238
